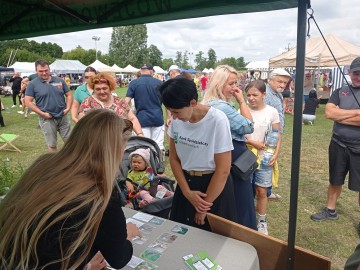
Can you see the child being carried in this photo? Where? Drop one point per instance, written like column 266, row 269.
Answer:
column 141, row 175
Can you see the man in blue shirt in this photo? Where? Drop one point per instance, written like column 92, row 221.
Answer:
column 276, row 84
column 145, row 92
column 51, row 106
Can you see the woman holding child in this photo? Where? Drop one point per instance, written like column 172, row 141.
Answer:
column 222, row 87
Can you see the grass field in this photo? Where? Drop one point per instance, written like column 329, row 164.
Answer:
column 334, row 239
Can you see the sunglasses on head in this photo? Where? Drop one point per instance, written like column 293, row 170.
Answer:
column 100, row 80
column 128, row 125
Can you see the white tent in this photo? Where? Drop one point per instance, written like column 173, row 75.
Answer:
column 117, row 68
column 99, row 66
column 159, row 70
column 211, row 70
column 24, row 67
column 67, row 66
column 205, row 70
column 318, row 55
column 258, row 65
column 130, row 69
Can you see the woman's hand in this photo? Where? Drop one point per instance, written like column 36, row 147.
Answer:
column 196, row 199
column 238, row 94
column 132, row 231
column 200, row 218
column 258, row 145
column 97, row 262
column 129, row 186
column 272, row 160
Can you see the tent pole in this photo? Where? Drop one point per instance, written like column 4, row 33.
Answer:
column 297, row 127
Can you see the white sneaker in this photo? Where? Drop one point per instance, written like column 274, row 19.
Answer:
column 32, row 113
column 13, row 106
column 262, row 227
column 20, row 106
column 21, row 112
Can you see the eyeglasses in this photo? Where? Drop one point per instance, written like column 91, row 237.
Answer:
column 128, row 126
column 100, row 80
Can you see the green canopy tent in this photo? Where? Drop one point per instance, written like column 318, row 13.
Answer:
column 32, row 18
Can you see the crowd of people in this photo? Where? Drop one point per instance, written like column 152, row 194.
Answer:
column 64, row 212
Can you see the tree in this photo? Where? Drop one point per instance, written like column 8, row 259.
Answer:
column 230, row 61
column 29, row 51
column 241, row 62
column 128, row 45
column 178, row 59
column 84, row 56
column 154, row 55
column 166, row 63
column 211, row 58
column 200, row 61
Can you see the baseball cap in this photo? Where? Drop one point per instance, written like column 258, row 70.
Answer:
column 355, row 65
column 173, row 67
column 279, row 72
column 147, row 66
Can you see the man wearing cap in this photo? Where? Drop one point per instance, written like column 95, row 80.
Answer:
column 344, row 149
column 274, row 88
column 174, row 71
column 145, row 92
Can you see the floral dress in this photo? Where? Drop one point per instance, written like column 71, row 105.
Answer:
column 119, row 106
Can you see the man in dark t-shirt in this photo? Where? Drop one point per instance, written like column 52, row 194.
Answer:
column 16, row 86
column 344, row 149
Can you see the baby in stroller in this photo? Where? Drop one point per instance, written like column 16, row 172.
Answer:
column 139, row 178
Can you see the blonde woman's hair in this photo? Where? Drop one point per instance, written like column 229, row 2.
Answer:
column 103, row 77
column 78, row 178
column 217, row 82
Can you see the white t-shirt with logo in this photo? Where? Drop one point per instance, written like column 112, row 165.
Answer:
column 197, row 143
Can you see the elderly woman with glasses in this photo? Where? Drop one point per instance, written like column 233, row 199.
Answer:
column 103, row 85
column 222, row 88
column 82, row 92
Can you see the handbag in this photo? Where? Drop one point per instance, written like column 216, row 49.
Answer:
column 244, row 165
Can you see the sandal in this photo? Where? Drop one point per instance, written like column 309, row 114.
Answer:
column 274, row 196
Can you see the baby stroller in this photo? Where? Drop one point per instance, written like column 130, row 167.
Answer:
column 158, row 207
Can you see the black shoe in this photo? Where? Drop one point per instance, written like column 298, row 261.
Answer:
column 325, row 214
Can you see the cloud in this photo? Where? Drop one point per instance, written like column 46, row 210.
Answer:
column 254, row 36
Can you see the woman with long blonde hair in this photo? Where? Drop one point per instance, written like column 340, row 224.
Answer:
column 63, row 209
column 222, row 88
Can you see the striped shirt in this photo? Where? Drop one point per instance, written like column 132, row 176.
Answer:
column 275, row 100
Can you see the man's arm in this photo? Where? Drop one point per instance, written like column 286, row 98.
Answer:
column 29, row 103
column 337, row 114
column 69, row 99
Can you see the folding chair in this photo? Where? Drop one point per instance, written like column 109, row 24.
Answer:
column 7, row 140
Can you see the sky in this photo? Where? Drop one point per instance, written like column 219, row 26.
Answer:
column 254, row 36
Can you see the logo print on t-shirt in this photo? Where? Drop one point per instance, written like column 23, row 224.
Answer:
column 176, row 136
column 345, row 93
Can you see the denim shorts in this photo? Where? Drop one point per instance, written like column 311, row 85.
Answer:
column 263, row 177
column 51, row 126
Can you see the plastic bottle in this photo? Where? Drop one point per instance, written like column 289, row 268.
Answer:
column 270, row 148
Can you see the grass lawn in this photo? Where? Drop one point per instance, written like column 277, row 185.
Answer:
column 334, row 239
